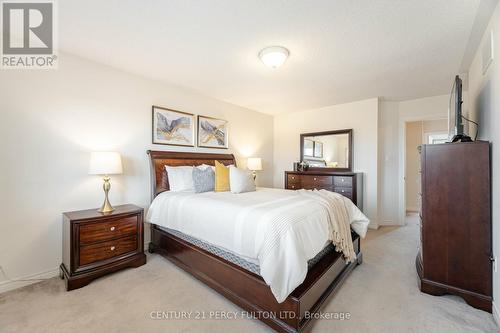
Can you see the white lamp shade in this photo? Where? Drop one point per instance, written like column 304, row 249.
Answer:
column 105, row 163
column 254, row 163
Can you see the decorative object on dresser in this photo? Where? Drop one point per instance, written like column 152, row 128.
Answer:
column 105, row 164
column 254, row 164
column 172, row 127
column 349, row 184
column 301, row 166
column 327, row 151
column 455, row 245
column 96, row 244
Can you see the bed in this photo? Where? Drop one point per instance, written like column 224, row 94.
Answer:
column 235, row 277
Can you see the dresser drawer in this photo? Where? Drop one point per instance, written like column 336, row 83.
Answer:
column 293, row 179
column 309, row 180
column 342, row 181
column 345, row 191
column 318, row 187
column 101, row 231
column 106, row 250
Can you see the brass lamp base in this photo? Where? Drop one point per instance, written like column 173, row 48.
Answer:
column 106, row 206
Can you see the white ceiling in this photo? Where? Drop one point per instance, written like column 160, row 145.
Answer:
column 341, row 50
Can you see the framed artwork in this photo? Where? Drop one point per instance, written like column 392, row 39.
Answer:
column 172, row 127
column 212, row 133
column 318, row 149
column 308, row 147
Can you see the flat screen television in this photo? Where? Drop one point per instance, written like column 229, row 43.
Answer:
column 455, row 118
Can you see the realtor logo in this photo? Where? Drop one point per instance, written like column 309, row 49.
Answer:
column 28, row 35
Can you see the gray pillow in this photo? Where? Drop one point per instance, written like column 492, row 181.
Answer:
column 203, row 180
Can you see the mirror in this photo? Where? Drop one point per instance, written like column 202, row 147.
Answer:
column 330, row 150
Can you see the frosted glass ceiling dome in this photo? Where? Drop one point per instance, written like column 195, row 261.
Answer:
column 274, row 56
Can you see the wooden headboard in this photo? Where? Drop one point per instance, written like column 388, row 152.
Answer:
column 158, row 160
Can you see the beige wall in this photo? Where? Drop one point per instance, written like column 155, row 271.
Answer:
column 51, row 120
column 438, row 125
column 484, row 93
column 361, row 116
column 432, row 127
column 414, row 134
column 392, row 118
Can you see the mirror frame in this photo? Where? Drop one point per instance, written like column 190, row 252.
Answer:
column 351, row 145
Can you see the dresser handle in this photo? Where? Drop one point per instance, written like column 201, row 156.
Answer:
column 342, row 180
column 293, row 177
column 293, row 186
column 112, row 248
column 315, row 178
column 343, row 191
column 112, row 228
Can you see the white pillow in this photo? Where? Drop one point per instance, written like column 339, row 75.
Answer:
column 240, row 180
column 180, row 178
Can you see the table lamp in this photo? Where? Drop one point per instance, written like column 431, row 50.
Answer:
column 105, row 164
column 254, row 164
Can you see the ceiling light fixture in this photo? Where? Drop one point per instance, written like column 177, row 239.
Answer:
column 274, row 56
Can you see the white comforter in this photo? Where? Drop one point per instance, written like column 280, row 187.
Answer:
column 279, row 229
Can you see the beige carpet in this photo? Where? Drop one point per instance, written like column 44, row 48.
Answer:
column 381, row 296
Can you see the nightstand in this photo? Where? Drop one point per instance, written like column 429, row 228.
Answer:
column 95, row 244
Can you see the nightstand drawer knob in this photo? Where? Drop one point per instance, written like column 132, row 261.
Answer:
column 293, row 177
column 112, row 228
column 293, row 186
column 112, row 248
column 315, row 178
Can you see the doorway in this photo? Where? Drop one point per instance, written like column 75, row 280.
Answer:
column 418, row 133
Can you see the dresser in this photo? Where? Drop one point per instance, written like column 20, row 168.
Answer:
column 349, row 184
column 95, row 244
column 455, row 222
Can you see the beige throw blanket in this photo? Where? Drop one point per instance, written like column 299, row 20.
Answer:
column 340, row 230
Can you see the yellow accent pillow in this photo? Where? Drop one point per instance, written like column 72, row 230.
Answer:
column 221, row 177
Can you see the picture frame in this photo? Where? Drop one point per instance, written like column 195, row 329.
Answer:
column 318, row 149
column 212, row 133
column 308, row 148
column 172, row 127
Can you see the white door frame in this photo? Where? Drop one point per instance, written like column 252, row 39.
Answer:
column 402, row 159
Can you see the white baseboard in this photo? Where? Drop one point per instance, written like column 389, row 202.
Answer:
column 496, row 314
column 14, row 284
column 389, row 223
